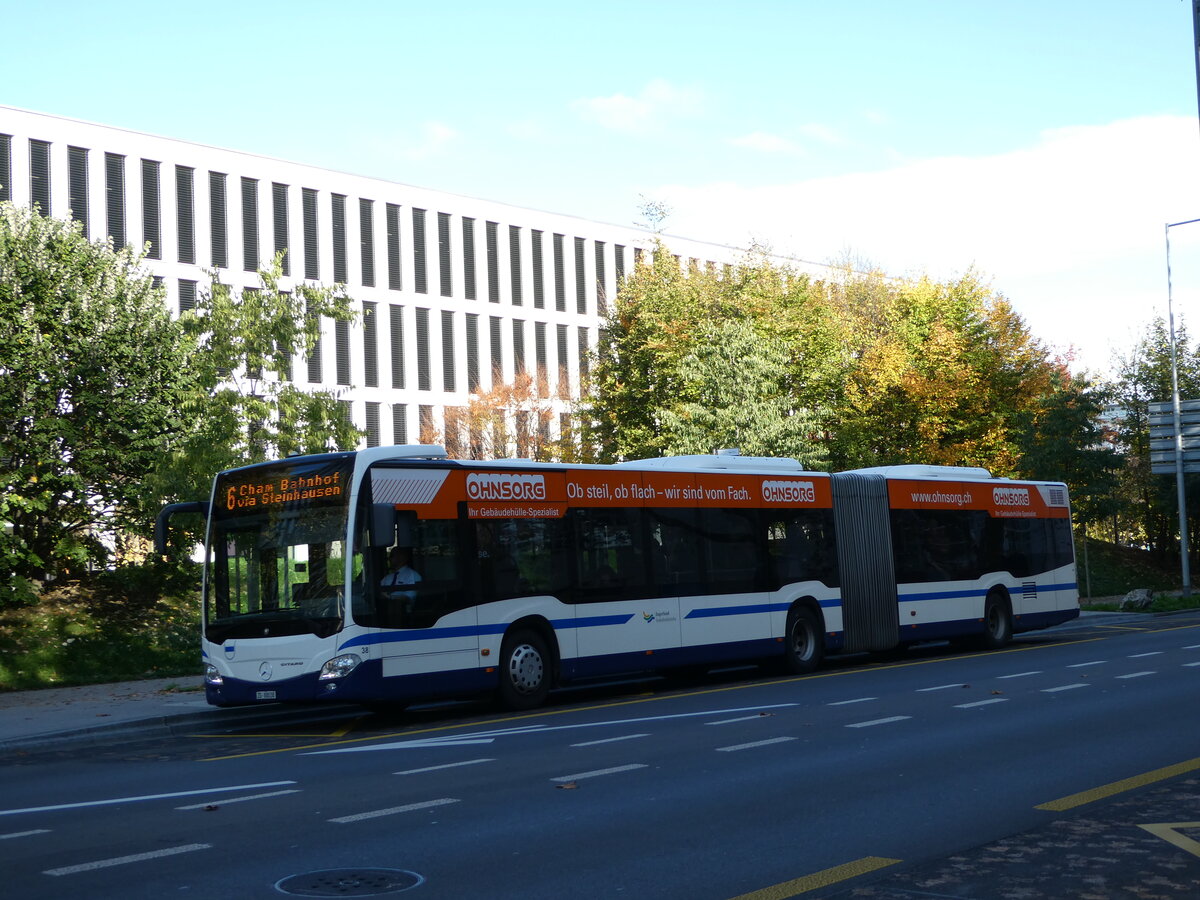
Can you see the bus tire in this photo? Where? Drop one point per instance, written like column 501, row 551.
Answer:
column 997, row 621
column 804, row 641
column 525, row 669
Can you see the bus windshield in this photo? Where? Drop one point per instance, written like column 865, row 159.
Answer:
column 277, row 550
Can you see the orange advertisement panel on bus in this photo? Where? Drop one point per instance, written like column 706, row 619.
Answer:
column 1006, row 500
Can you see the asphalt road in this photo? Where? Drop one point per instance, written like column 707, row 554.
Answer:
column 878, row 778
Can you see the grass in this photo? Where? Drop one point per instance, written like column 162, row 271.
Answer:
column 1115, row 571
column 97, row 632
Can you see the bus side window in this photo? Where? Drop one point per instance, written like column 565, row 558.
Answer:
column 609, row 559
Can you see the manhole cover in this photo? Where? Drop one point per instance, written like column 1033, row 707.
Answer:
column 348, row 883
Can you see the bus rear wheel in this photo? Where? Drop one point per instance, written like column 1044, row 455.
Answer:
column 804, row 640
column 524, row 670
column 997, row 621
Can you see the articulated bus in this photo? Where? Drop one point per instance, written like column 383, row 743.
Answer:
column 395, row 574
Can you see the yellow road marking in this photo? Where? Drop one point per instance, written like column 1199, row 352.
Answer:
column 1119, row 787
column 1169, row 833
column 823, row 879
column 646, row 699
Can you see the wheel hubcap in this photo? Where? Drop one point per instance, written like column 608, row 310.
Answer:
column 526, row 669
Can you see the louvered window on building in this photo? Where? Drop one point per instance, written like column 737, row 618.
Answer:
column 315, row 375
column 601, row 289
column 580, row 279
column 341, row 331
column 468, row 232
column 370, row 332
column 366, row 240
column 493, row 263
column 449, row 382
column 560, row 275
column 393, row 246
column 151, row 208
column 372, row 410
column 250, row 224
column 420, row 276
column 539, row 350
column 217, row 221
column 425, row 424
column 424, row 378
column 187, row 295
column 399, row 423
column 518, row 333
column 539, row 284
column 338, row 207
column 279, row 215
column 396, row 327
column 312, row 262
column 283, row 358
column 185, row 213
column 637, row 255
column 347, row 411
column 619, row 263
column 444, row 272
column 39, row 176
column 254, row 372
column 585, row 352
column 453, row 432
column 564, row 369
column 472, row 353
column 497, row 350
column 514, row 263
column 6, row 167
column 114, row 198
column 77, row 188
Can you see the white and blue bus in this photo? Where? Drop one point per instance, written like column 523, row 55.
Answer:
column 517, row 576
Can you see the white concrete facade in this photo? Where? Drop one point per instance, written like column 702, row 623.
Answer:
column 531, row 277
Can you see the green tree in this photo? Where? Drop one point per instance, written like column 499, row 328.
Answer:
column 95, row 379
column 245, row 406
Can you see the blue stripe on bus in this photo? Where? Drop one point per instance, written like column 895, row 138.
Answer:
column 982, row 592
column 432, row 634
column 750, row 609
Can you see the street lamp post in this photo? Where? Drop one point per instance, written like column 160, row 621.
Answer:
column 1185, row 564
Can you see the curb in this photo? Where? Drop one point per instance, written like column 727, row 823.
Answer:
column 213, row 720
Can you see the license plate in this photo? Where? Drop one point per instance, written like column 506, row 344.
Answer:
column 265, row 695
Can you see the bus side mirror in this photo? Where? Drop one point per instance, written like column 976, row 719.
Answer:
column 382, row 530
column 164, row 516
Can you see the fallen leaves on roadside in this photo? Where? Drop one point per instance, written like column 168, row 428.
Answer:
column 569, row 786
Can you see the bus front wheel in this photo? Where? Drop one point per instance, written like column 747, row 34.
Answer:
column 805, row 640
column 524, row 670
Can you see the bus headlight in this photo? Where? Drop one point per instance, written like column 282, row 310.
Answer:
column 212, row 676
column 339, row 667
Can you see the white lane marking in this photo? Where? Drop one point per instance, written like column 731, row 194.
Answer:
column 123, row 860
column 1189, row 665
column 87, row 803
column 1018, row 675
column 225, row 801
column 1135, row 675
column 848, row 702
column 21, row 834
column 1140, row 655
column 886, row 721
column 596, row 773
column 624, row 737
column 778, row 740
column 1192, row 647
column 1065, row 687
column 940, row 687
column 981, row 703
column 1095, row 662
column 731, row 721
column 411, row 807
column 483, row 737
column 466, row 762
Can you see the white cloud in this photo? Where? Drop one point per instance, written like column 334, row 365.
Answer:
column 765, row 143
column 659, row 99
column 1071, row 228
column 432, row 139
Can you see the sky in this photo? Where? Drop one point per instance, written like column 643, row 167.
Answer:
column 1043, row 143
